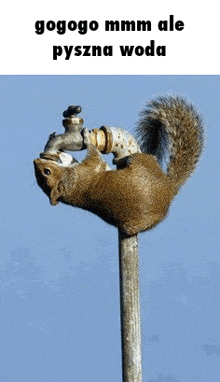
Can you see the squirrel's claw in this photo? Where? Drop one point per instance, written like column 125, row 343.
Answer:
column 86, row 137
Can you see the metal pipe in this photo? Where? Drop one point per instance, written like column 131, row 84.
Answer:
column 130, row 308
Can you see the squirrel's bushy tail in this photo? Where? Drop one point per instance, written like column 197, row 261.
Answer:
column 172, row 124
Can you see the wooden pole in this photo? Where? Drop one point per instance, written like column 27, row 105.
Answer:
column 130, row 308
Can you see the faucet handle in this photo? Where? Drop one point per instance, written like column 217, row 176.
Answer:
column 72, row 121
column 72, row 111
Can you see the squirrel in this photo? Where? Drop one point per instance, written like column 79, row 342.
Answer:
column 136, row 196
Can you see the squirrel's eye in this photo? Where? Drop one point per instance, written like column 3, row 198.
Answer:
column 47, row 171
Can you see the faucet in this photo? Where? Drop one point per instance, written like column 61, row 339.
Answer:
column 107, row 139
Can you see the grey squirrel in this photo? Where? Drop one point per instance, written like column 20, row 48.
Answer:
column 135, row 196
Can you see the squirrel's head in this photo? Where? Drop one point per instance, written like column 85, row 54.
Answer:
column 50, row 174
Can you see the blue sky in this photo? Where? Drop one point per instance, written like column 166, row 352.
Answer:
column 59, row 291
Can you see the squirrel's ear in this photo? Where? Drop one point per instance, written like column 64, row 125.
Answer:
column 55, row 194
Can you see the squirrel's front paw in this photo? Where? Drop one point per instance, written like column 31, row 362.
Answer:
column 86, row 137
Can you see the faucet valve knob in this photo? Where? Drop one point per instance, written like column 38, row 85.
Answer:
column 72, row 111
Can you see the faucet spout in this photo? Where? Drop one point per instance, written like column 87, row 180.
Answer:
column 71, row 139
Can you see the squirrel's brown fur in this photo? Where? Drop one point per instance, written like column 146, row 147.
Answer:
column 137, row 195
